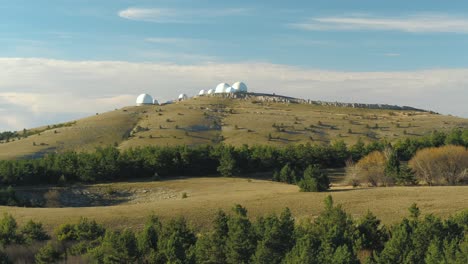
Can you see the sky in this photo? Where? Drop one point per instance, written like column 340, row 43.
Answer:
column 65, row 59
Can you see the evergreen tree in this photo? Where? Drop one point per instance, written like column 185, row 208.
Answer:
column 176, row 242
column 287, row 174
column 211, row 248
column 241, row 242
column 8, row 228
column 48, row 254
column 314, row 180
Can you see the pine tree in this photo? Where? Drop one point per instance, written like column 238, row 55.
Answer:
column 314, row 180
column 241, row 243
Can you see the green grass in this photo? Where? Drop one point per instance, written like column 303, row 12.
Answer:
column 206, row 195
column 209, row 120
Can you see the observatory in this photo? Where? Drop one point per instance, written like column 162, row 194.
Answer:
column 182, row 97
column 144, row 99
column 210, row 91
column 231, row 90
column 155, row 102
column 221, row 88
column 240, row 87
column 202, row 92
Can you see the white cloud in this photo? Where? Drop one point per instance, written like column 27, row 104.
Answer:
column 170, row 15
column 36, row 91
column 422, row 23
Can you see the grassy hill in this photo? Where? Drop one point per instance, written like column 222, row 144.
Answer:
column 133, row 202
column 210, row 120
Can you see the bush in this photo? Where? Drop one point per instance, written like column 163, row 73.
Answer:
column 370, row 170
column 443, row 165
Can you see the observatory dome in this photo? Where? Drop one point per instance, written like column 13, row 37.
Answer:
column 202, row 92
column 221, row 88
column 155, row 102
column 182, row 97
column 210, row 91
column 240, row 87
column 231, row 90
column 144, row 99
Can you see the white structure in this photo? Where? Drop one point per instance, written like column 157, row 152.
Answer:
column 144, row 99
column 240, row 87
column 182, row 97
column 155, row 102
column 210, row 91
column 221, row 88
column 231, row 90
column 202, row 92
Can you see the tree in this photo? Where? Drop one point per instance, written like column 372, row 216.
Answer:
column 48, row 254
column 287, row 174
column 33, row 231
column 241, row 243
column 211, row 248
column 276, row 238
column 314, row 180
column 8, row 228
column 227, row 163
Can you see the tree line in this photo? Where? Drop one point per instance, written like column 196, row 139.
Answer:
column 110, row 164
column 332, row 237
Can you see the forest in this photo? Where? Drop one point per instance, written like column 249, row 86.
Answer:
column 331, row 237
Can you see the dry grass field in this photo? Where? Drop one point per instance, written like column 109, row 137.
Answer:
column 208, row 120
column 207, row 195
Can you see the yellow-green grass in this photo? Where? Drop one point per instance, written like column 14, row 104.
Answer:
column 207, row 120
column 260, row 197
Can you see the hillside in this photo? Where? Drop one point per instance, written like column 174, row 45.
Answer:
column 256, row 119
column 133, row 202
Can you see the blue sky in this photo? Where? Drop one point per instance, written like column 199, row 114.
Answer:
column 398, row 52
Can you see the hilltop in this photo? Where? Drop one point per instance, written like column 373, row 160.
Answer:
column 231, row 119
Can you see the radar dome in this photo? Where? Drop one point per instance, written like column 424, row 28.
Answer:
column 231, row 90
column 221, row 88
column 182, row 97
column 240, row 87
column 144, row 99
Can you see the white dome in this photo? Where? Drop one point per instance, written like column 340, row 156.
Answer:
column 155, row 102
column 231, row 90
column 144, row 99
column 240, row 87
column 183, row 97
column 210, row 91
column 221, row 88
column 202, row 92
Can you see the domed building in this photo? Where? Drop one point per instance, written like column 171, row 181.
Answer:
column 182, row 97
column 221, row 88
column 144, row 99
column 202, row 92
column 155, row 102
column 210, row 91
column 240, row 87
column 231, row 90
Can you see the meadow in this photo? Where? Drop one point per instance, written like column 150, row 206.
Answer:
column 206, row 195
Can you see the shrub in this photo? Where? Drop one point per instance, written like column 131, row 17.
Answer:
column 443, row 165
column 370, row 169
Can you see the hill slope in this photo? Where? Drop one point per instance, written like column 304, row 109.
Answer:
column 210, row 120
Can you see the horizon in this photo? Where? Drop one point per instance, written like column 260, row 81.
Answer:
column 67, row 60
